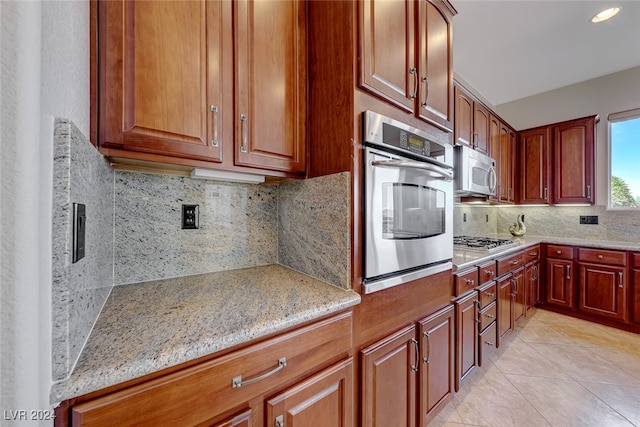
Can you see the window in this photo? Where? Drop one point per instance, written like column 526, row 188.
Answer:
column 624, row 158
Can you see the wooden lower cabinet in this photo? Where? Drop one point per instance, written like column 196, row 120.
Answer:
column 229, row 390
column 437, row 349
column 603, row 291
column 488, row 343
column 505, row 311
column 466, row 337
column 325, row 399
column 519, row 295
column 404, row 373
column 388, row 386
column 636, row 295
column 560, row 283
column 532, row 284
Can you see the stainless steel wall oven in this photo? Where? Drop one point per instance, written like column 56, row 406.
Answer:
column 408, row 203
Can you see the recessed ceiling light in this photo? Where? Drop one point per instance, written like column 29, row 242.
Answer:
column 605, row 14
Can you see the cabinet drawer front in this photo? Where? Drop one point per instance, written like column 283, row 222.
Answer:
column 636, row 259
column 487, row 316
column 466, row 281
column 532, row 254
column 560, row 251
column 487, row 272
column 488, row 340
column 602, row 256
column 487, row 294
column 510, row 263
column 197, row 394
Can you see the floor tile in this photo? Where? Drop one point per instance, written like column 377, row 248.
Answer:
column 565, row 403
column 624, row 400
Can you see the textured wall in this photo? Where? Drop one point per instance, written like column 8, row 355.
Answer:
column 559, row 221
column 79, row 290
column 314, row 223
column 237, row 226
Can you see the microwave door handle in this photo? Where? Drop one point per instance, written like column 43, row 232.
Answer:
column 493, row 179
column 444, row 173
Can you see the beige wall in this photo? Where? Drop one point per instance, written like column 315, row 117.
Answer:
column 605, row 95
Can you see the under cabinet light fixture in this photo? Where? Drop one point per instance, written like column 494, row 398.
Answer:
column 215, row 175
column 605, row 14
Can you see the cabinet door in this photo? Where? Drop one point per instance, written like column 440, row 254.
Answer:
column 387, row 52
column 463, row 117
column 535, row 165
column 560, row 283
column 270, row 84
column 505, row 309
column 480, row 127
column 437, row 336
column 603, row 291
column 532, row 284
column 157, row 96
column 574, row 161
column 636, row 296
column 495, row 148
column 326, row 399
column 519, row 295
column 466, row 338
column 436, row 66
column 389, row 380
column 507, row 170
column 242, row 419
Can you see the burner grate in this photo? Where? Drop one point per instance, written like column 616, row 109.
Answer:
column 481, row 243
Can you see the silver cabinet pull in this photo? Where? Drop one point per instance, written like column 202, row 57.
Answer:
column 600, row 256
column 426, row 358
column 559, row 252
column 425, row 82
column 237, row 382
column 414, row 368
column 490, row 316
column 489, row 273
column 280, row 421
column 515, row 262
column 470, row 282
column 533, row 253
column 568, row 272
column 620, row 280
column 413, row 71
column 214, row 140
column 490, row 294
column 588, row 191
column 546, row 193
column 244, row 119
column 489, row 343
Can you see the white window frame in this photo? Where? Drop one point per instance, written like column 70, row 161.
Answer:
column 612, row 118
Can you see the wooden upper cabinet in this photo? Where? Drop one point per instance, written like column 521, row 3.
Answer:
column 408, row 61
column 480, row 127
column 435, row 90
column 574, row 145
column 463, row 129
column 204, row 83
column 535, row 167
column 270, row 84
column 388, row 62
column 155, row 94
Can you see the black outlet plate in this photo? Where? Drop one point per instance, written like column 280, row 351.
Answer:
column 79, row 226
column 588, row 219
column 190, row 214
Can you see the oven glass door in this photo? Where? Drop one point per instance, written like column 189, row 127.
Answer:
column 412, row 211
column 408, row 214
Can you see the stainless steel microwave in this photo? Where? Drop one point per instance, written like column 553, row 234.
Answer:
column 475, row 173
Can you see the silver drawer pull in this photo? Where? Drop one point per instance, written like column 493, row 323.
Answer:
column 490, row 316
column 237, row 381
column 515, row 262
column 600, row 256
column 490, row 294
column 470, row 282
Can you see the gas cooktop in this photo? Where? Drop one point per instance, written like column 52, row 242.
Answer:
column 481, row 243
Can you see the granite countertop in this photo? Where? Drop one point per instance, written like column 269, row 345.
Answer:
column 463, row 258
column 146, row 327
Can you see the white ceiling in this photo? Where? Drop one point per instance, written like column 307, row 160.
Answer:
column 511, row 49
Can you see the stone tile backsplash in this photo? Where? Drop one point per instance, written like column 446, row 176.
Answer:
column 134, row 233
column 557, row 221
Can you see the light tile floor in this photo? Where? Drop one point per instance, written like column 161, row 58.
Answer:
column 553, row 370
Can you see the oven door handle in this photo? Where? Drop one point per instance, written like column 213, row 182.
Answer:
column 493, row 179
column 445, row 175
